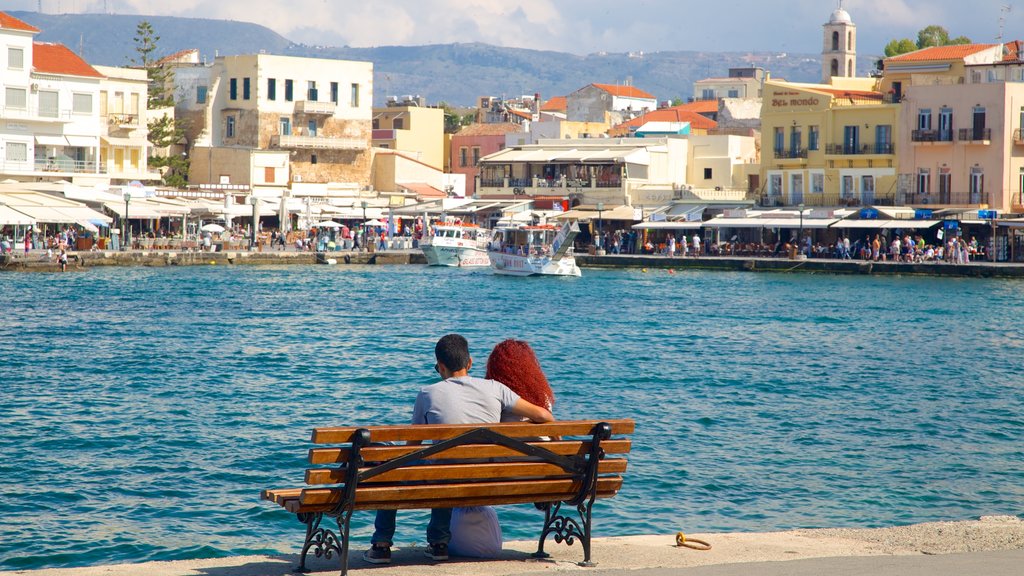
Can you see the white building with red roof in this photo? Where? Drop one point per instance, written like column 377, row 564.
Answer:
column 608, row 103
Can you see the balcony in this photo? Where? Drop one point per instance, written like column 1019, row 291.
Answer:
column 931, row 136
column 976, row 135
column 50, row 167
column 314, row 108
column 878, row 149
column 317, row 142
column 383, row 134
column 1018, row 139
column 123, row 121
column 35, row 114
column 783, row 154
column 832, row 199
column 944, row 199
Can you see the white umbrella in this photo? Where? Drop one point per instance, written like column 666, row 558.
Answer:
column 327, row 224
column 373, row 223
column 215, row 228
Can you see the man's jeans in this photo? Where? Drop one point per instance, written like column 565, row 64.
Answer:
column 439, row 529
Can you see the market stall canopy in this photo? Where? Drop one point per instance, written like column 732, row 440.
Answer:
column 590, row 212
column 51, row 209
column 884, row 224
column 373, row 223
column 11, row 217
column 667, row 225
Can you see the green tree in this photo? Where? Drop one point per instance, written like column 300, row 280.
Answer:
column 146, row 44
column 175, row 171
column 165, row 131
column 897, row 47
column 933, row 35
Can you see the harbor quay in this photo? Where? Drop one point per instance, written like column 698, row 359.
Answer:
column 82, row 261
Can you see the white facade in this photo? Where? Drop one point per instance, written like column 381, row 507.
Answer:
column 124, row 147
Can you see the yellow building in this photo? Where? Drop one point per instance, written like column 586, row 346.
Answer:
column 412, row 130
column 828, row 144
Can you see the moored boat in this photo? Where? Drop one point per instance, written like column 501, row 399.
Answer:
column 534, row 250
column 462, row 245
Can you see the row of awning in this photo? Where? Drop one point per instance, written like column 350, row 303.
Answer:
column 77, row 141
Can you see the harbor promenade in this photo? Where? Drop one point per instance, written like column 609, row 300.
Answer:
column 36, row 261
column 993, row 546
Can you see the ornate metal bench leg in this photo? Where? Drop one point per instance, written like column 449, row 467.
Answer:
column 546, row 507
column 567, row 529
column 324, row 542
column 343, row 526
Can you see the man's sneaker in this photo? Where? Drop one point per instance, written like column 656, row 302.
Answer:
column 436, row 551
column 378, row 554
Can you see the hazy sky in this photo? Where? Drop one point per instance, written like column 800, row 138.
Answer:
column 583, row 26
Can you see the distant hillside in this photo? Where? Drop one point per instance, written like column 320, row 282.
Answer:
column 454, row 73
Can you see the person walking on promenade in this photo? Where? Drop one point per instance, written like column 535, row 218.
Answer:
column 62, row 259
column 28, row 240
column 457, row 399
column 671, row 246
column 876, row 248
column 696, row 245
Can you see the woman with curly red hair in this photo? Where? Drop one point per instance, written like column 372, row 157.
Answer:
column 475, row 530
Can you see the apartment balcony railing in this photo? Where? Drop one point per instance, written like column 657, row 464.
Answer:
column 830, row 199
column 319, row 142
column 35, row 114
column 55, row 166
column 931, row 136
column 123, row 120
column 784, row 154
column 315, row 108
column 944, row 198
column 975, row 134
column 1018, row 138
column 863, row 149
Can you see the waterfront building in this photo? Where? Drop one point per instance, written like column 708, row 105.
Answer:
column 839, row 50
column 828, row 144
column 740, row 83
column 409, row 127
column 394, row 171
column 124, row 147
column 470, row 144
column 608, row 103
column 959, row 138
column 50, row 122
column 316, row 111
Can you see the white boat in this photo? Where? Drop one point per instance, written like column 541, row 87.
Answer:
column 534, row 250
column 462, row 245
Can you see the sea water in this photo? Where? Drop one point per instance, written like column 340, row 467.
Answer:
column 142, row 410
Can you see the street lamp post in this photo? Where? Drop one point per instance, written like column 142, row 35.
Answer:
column 126, row 232
column 255, row 220
column 366, row 239
column 600, row 209
column 801, row 239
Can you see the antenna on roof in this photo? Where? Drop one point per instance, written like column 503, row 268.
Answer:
column 1002, row 19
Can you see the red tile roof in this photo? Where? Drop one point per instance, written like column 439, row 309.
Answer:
column 482, row 129
column 8, row 22
column 522, row 114
column 674, row 114
column 624, row 91
column 700, row 106
column 556, row 104
column 59, row 59
column 423, row 190
column 955, row 52
column 179, row 56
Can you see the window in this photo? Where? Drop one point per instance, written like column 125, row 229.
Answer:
column 851, row 139
column 229, row 132
column 707, row 94
column 835, row 67
column 47, row 104
column 289, row 87
column 835, row 41
column 269, row 176
column 463, row 153
column 977, row 184
column 312, row 159
column 707, row 173
column 271, row 89
column 945, row 125
column 734, row 93
column 285, row 124
column 924, row 119
column 398, row 124
column 775, row 185
column 134, row 104
column 924, row 181
column 334, row 92
column 795, row 137
column 354, row 97
column 979, row 123
column 945, row 185
column 15, row 58
column 201, row 94
column 796, row 188
column 15, row 98
column 17, row 152
column 246, row 87
column 780, row 138
column 233, row 89
column 311, row 93
column 847, row 190
column 867, row 189
column 812, row 137
column 311, row 127
column 81, row 103
column 883, row 139
column 376, row 124
column 817, row 183
column 476, row 155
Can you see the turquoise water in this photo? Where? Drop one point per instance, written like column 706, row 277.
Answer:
column 142, row 410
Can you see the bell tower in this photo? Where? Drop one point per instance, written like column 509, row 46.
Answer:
column 839, row 52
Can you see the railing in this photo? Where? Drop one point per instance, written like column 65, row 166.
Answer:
column 383, row 134
column 34, row 113
column 492, row 182
column 317, row 142
column 975, row 134
column 519, row 182
column 843, row 149
column 944, row 198
column 68, row 165
column 931, row 136
column 123, row 120
column 615, row 183
column 832, row 199
column 782, row 153
column 313, row 107
column 1017, row 137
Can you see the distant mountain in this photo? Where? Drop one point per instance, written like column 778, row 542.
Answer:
column 454, row 73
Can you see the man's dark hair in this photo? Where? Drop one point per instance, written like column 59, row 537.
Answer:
column 452, row 350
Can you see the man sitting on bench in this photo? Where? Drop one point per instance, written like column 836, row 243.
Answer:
column 457, row 399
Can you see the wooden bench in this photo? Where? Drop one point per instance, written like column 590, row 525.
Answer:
column 456, row 466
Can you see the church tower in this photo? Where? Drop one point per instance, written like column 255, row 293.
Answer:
column 839, row 55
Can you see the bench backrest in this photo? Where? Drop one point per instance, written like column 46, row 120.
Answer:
column 463, row 464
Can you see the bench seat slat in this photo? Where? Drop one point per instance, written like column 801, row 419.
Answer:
column 425, row 432
column 495, row 492
column 295, row 507
column 384, row 453
column 456, row 472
